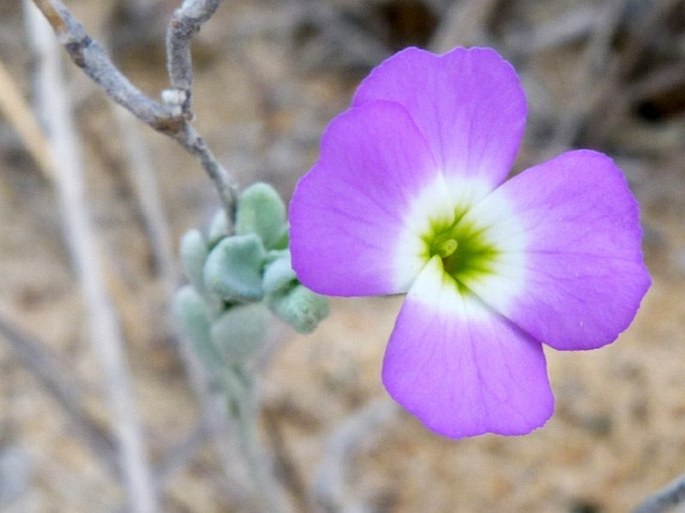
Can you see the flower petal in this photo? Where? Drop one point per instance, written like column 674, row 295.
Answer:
column 461, row 368
column 469, row 105
column 356, row 217
column 579, row 279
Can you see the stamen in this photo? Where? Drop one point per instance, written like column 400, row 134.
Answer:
column 446, row 248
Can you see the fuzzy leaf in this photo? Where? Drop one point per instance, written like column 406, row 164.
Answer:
column 233, row 268
column 193, row 256
column 299, row 307
column 279, row 275
column 191, row 311
column 262, row 211
column 218, row 228
column 240, row 333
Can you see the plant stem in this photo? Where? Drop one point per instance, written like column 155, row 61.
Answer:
column 242, row 411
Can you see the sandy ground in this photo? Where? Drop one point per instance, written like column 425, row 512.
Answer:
column 618, row 432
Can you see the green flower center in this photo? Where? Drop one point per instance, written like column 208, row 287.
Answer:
column 464, row 249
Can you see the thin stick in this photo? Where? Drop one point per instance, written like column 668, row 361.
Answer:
column 331, row 482
column 185, row 23
column 56, row 380
column 589, row 81
column 568, row 27
column 612, row 103
column 671, row 495
column 242, row 409
column 170, row 117
column 91, row 57
column 104, row 329
column 284, row 465
column 18, row 113
column 178, row 456
column 142, row 174
column 464, row 23
column 661, row 80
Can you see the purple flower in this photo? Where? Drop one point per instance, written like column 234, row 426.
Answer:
column 409, row 196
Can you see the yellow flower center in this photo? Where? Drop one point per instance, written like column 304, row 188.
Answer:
column 465, row 251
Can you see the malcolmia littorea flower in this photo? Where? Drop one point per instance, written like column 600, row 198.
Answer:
column 409, row 196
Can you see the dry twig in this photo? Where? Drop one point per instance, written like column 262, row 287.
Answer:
column 185, row 23
column 283, row 462
column 170, row 117
column 104, row 328
column 661, row 501
column 566, row 28
column 610, row 103
column 142, row 174
column 18, row 113
column 331, row 483
column 589, row 81
column 56, row 380
column 464, row 23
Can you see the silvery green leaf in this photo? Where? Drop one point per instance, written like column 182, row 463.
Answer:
column 193, row 255
column 233, row 268
column 299, row 307
column 240, row 333
column 218, row 228
column 279, row 274
column 262, row 211
column 190, row 309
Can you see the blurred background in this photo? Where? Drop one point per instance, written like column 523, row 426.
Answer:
column 269, row 75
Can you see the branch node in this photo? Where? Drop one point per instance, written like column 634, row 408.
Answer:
column 178, row 101
column 170, row 116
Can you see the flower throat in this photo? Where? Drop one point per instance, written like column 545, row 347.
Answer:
column 465, row 252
